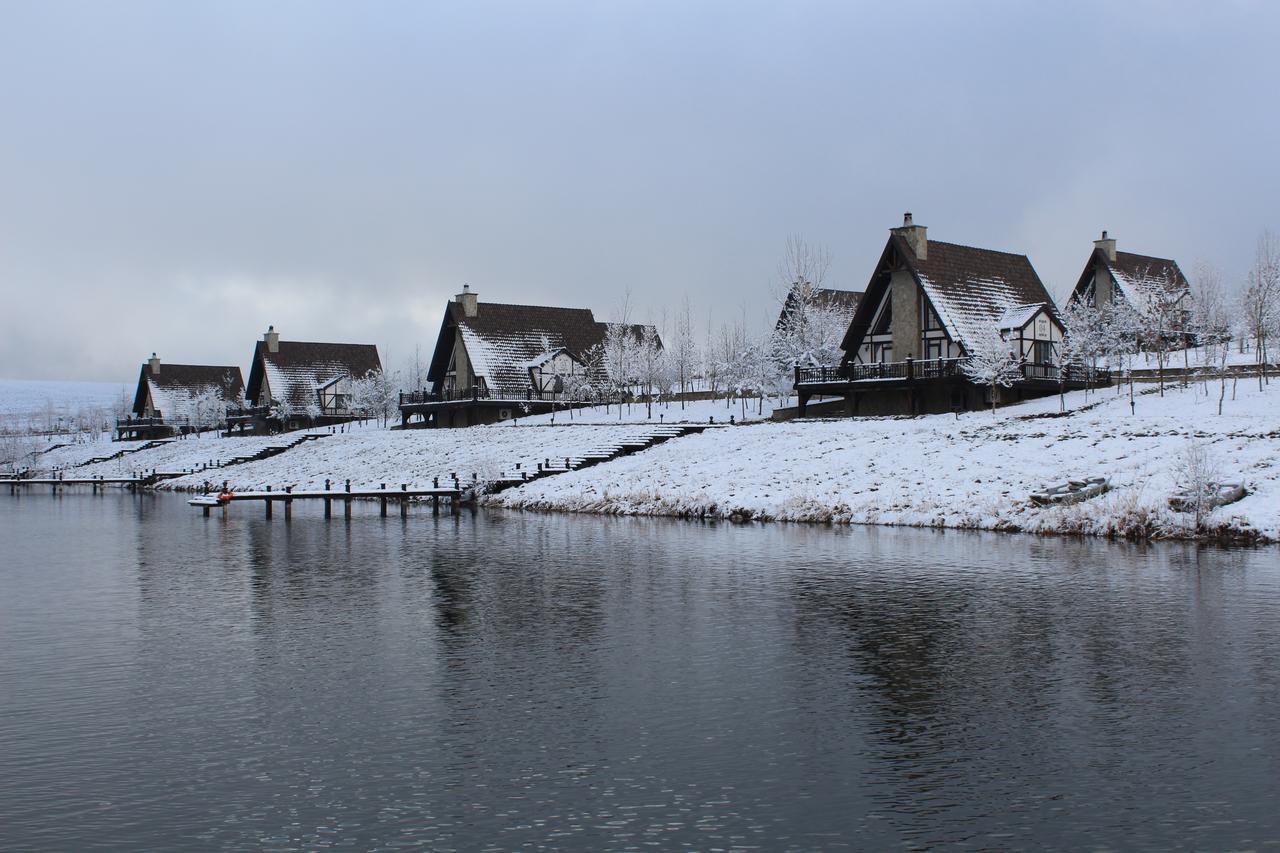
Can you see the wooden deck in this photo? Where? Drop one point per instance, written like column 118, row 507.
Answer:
column 456, row 494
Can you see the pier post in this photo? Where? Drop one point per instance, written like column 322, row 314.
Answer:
column 206, row 511
column 404, row 501
column 346, row 509
column 435, row 504
column 288, row 504
column 383, row 500
column 267, row 501
column 328, row 502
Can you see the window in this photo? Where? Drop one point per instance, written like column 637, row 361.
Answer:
column 933, row 348
column 1042, row 352
column 886, row 317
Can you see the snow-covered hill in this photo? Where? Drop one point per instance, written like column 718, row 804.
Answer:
column 973, row 472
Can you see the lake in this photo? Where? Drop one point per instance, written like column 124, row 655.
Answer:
column 501, row 681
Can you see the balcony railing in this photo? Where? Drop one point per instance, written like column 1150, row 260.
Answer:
column 937, row 368
column 247, row 413
column 146, row 423
column 476, row 393
column 930, row 368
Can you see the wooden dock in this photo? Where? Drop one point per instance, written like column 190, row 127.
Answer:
column 56, row 484
column 456, row 494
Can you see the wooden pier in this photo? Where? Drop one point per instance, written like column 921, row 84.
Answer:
column 58, row 483
column 456, row 494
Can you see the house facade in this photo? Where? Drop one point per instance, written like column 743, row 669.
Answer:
column 172, row 399
column 299, row 384
column 493, row 362
column 926, row 304
column 1144, row 281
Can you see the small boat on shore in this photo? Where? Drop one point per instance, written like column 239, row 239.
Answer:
column 1070, row 492
column 1218, row 494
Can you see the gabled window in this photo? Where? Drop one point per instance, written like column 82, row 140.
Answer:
column 882, row 326
column 930, row 321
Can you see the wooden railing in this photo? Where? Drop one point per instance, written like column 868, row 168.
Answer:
column 937, row 368
column 529, row 393
column 449, row 395
column 930, row 368
column 248, row 413
column 144, row 423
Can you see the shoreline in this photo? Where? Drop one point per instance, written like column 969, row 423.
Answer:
column 974, row 472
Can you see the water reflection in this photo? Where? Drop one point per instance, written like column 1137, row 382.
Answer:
column 497, row 681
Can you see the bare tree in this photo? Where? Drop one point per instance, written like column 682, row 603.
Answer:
column 621, row 348
column 1212, row 323
column 1198, row 479
column 1161, row 326
column 684, row 350
column 1260, row 299
column 649, row 358
column 990, row 361
column 803, row 263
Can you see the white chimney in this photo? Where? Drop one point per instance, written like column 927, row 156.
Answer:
column 914, row 235
column 470, row 302
column 154, row 364
column 272, row 338
column 1108, row 246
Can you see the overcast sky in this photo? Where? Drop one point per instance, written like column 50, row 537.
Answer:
column 175, row 176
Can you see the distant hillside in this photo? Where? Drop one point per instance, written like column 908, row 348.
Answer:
column 38, row 405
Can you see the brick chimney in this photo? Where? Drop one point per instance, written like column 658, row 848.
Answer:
column 272, row 339
column 914, row 235
column 1108, row 246
column 154, row 364
column 470, row 302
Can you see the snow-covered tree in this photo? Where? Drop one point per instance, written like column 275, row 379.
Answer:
column 990, row 361
column 649, row 361
column 1260, row 299
column 684, row 355
column 1161, row 326
column 1212, row 322
column 376, row 394
column 1198, row 478
column 207, row 410
column 809, row 331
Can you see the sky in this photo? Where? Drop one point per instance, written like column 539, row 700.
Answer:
column 174, row 177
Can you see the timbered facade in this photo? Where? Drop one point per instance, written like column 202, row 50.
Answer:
column 177, row 398
column 494, row 361
column 298, row 384
column 1141, row 280
column 925, row 302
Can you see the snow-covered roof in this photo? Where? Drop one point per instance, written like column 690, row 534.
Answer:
column 174, row 386
column 843, row 303
column 971, row 290
column 504, row 341
column 1142, row 277
column 297, row 369
column 538, row 361
column 1018, row 316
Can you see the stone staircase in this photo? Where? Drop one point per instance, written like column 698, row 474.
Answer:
column 642, row 440
column 266, row 452
column 149, row 445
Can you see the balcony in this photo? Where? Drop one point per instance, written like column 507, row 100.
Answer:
column 897, row 372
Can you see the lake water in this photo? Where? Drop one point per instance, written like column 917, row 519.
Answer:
column 504, row 681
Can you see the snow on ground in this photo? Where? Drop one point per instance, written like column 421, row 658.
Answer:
column 366, row 456
column 973, row 472
column 694, row 411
